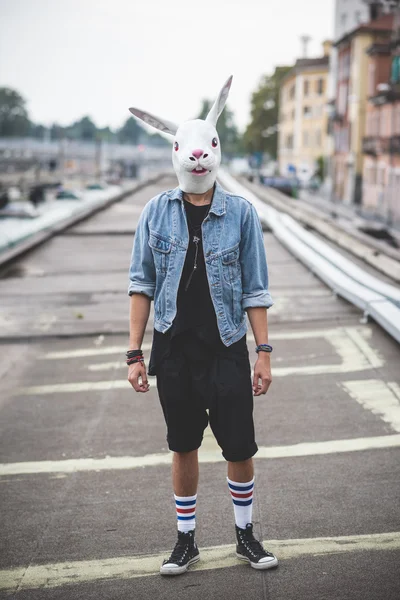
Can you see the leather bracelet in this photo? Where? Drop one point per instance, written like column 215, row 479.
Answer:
column 264, row 348
column 134, row 353
column 137, row 359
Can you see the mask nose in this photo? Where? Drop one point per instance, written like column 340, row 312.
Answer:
column 197, row 153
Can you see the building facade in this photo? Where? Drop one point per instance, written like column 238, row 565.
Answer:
column 381, row 144
column 303, row 117
column 349, row 115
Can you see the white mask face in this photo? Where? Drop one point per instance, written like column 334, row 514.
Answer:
column 196, row 156
column 196, row 151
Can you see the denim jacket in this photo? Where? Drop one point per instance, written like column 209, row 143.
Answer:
column 234, row 255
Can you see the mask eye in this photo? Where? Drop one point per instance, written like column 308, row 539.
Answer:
column 214, row 142
column 176, row 146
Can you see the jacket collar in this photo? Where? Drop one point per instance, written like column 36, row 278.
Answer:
column 218, row 201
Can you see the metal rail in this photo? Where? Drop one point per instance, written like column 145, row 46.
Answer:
column 375, row 298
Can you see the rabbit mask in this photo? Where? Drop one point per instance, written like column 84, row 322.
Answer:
column 196, row 151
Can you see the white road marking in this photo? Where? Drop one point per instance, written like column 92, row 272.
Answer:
column 348, row 343
column 109, row 366
column 83, row 352
column 363, row 333
column 356, row 335
column 44, row 322
column 209, row 454
column 352, row 348
column 53, row 575
column 380, row 397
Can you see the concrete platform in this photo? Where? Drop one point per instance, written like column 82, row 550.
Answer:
column 327, row 473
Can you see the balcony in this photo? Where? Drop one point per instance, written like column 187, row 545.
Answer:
column 375, row 146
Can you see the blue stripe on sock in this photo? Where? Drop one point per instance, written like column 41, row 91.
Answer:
column 185, row 503
column 236, row 488
column 242, row 503
column 185, row 518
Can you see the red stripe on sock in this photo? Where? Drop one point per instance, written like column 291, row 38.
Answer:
column 236, row 495
column 185, row 510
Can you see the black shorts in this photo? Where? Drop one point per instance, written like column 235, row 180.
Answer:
column 195, row 377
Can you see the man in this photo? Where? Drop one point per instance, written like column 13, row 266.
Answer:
column 199, row 253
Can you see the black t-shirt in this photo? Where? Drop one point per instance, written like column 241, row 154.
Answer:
column 194, row 305
column 195, row 310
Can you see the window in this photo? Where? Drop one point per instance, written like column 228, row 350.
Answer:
column 395, row 75
column 306, row 87
column 371, row 78
column 318, row 138
column 342, row 103
column 320, row 86
column 357, row 17
column 343, row 19
column 307, row 111
column 289, row 142
column 291, row 93
column 372, row 172
column 397, row 121
column 305, row 139
column 381, row 175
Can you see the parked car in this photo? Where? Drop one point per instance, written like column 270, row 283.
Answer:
column 286, row 185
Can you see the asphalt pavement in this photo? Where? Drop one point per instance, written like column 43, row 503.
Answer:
column 86, row 507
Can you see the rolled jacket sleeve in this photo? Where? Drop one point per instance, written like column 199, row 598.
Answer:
column 253, row 263
column 142, row 272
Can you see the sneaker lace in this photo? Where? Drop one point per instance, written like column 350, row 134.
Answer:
column 178, row 551
column 254, row 545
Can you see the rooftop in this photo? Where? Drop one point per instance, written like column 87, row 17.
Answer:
column 303, row 64
column 382, row 25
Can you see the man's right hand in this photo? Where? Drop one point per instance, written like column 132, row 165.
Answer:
column 137, row 377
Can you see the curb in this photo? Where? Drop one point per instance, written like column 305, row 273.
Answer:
column 18, row 249
column 384, row 259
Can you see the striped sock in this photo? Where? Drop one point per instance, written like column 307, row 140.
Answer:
column 242, row 497
column 186, row 512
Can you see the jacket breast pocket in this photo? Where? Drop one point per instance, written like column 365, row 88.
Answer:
column 161, row 248
column 230, row 265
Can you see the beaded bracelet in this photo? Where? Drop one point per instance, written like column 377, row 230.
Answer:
column 264, row 348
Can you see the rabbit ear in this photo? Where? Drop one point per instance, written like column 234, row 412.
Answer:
column 153, row 121
column 219, row 104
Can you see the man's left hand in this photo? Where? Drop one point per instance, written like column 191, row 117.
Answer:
column 262, row 374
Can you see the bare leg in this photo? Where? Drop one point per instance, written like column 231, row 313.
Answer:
column 185, row 473
column 242, row 471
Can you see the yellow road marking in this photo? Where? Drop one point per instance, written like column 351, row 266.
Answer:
column 217, row 557
column 209, row 454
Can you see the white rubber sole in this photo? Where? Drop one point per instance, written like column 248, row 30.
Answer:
column 174, row 570
column 260, row 566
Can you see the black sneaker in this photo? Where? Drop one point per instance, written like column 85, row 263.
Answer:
column 250, row 549
column 184, row 554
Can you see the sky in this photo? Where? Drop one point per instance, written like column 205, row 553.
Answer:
column 99, row 57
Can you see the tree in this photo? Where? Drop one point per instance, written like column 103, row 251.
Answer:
column 226, row 127
column 58, row 132
column 14, row 119
column 84, row 129
column 130, row 132
column 106, row 134
column 37, row 131
column 261, row 133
